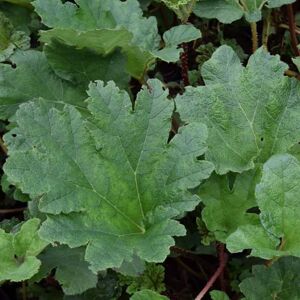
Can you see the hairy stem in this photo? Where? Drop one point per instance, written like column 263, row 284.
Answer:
column 292, row 27
column 223, row 258
column 266, row 29
column 184, row 58
column 253, row 26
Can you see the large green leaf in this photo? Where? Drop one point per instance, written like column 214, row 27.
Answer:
column 72, row 270
column 19, row 250
column 118, row 184
column 31, row 78
column 222, row 202
column 251, row 112
column 227, row 11
column 102, row 26
column 279, row 281
column 278, row 200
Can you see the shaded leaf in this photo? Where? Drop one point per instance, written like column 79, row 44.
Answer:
column 279, row 281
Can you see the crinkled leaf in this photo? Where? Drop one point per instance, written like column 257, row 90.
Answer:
column 81, row 66
column 118, row 184
column 72, row 270
column 33, row 78
column 222, row 202
column 152, row 278
column 279, row 281
column 278, row 200
column 147, row 295
column 19, row 250
column 251, row 112
column 11, row 39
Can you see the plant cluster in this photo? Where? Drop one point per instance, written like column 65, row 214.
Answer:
column 150, row 149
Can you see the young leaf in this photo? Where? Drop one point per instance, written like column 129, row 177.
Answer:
column 147, row 295
column 118, row 184
column 19, row 250
column 32, row 78
column 251, row 113
column 218, row 295
column 279, row 281
column 72, row 270
column 152, row 278
column 221, row 203
column 278, row 201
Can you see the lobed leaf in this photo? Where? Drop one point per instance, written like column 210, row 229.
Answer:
column 118, row 183
column 251, row 112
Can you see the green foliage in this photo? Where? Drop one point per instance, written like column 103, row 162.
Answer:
column 19, row 249
column 278, row 202
column 147, row 295
column 152, row 279
column 258, row 100
column 279, row 281
column 227, row 11
column 218, row 295
column 157, row 195
column 133, row 183
column 11, row 39
column 102, row 26
column 33, row 78
column 222, row 202
column 67, row 262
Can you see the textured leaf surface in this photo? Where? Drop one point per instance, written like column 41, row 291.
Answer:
column 148, row 295
column 221, row 203
column 33, row 78
column 280, row 281
column 72, row 270
column 18, row 252
column 278, row 201
column 118, row 184
column 251, row 112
